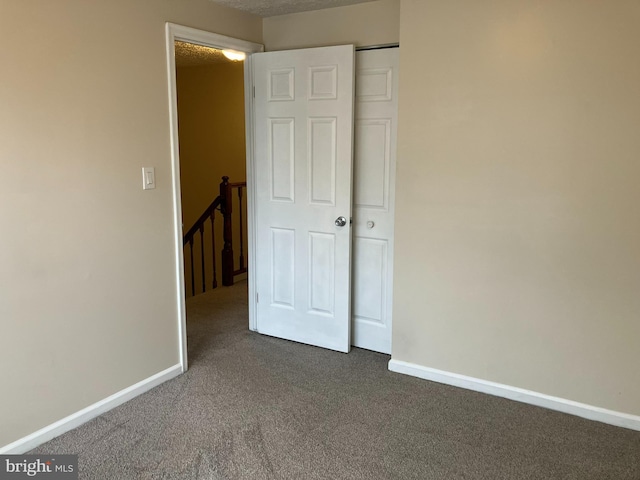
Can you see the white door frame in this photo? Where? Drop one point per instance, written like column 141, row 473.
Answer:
column 191, row 35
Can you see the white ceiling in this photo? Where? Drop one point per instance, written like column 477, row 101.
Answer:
column 270, row 8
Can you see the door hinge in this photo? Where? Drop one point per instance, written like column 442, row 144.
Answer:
column 254, row 91
column 257, row 297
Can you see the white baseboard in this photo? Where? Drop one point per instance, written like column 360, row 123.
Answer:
column 76, row 419
column 518, row 394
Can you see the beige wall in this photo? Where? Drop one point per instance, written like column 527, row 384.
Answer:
column 87, row 275
column 517, row 226
column 371, row 23
column 517, row 193
column 212, row 144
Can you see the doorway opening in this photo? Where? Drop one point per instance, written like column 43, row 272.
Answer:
column 211, row 139
column 211, row 129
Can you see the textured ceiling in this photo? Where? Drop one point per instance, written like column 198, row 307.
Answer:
column 270, row 8
column 191, row 55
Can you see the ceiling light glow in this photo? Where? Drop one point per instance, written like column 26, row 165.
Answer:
column 233, row 55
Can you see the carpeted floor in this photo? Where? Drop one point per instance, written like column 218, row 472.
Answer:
column 254, row 407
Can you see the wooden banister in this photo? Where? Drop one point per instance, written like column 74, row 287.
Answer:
column 224, row 203
column 227, row 250
column 208, row 213
column 226, row 192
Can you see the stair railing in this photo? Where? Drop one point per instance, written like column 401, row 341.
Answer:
column 223, row 203
column 226, row 192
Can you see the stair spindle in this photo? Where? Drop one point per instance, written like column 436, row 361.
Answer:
column 193, row 278
column 241, row 229
column 204, row 278
column 227, row 251
column 213, row 250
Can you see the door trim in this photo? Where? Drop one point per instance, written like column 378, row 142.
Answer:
column 191, row 35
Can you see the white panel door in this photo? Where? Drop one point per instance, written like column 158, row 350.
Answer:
column 303, row 176
column 374, row 194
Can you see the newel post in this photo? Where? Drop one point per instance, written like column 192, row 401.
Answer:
column 227, row 251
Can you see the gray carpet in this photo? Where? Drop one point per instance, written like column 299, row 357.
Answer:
column 254, row 407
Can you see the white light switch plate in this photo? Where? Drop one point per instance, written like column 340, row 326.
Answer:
column 148, row 178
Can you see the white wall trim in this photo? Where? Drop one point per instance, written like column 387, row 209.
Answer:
column 251, row 188
column 583, row 410
column 76, row 419
column 171, row 35
column 191, row 35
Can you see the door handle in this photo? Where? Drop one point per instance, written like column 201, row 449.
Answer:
column 341, row 222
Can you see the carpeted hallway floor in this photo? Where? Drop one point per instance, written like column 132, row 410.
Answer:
column 254, row 407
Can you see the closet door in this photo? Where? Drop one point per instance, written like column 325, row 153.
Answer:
column 376, row 118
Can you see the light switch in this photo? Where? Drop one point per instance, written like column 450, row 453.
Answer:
column 148, row 178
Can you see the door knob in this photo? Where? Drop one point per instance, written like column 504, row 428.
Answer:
column 341, row 222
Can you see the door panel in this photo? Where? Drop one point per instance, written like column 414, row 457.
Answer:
column 373, row 160
column 303, row 175
column 370, row 267
column 374, row 197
